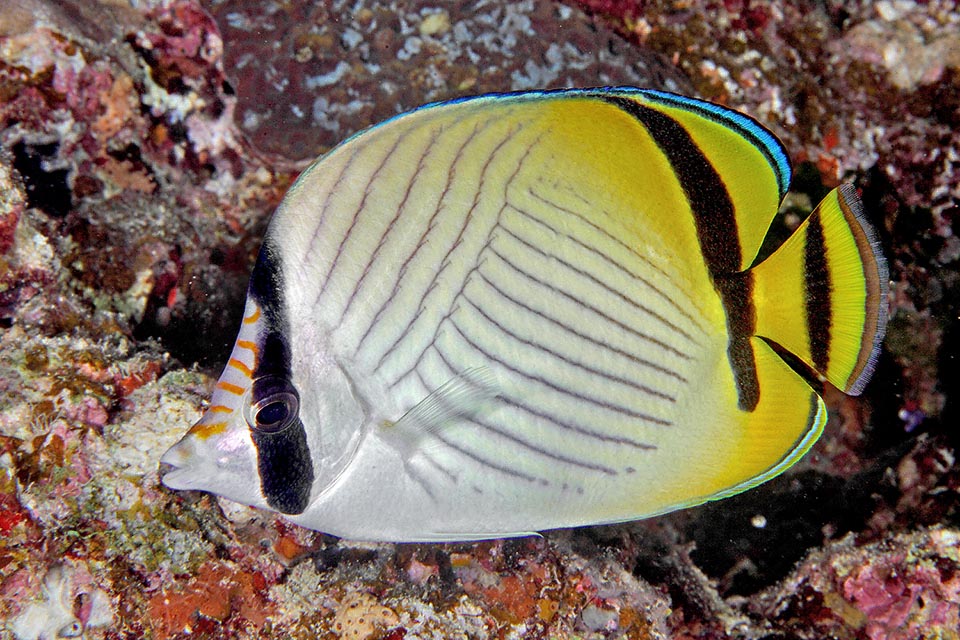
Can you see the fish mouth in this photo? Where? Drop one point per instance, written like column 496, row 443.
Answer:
column 175, row 469
column 168, row 475
column 179, row 478
column 173, row 477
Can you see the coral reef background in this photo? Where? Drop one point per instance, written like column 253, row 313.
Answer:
column 143, row 146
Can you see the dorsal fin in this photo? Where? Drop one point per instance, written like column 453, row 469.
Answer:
column 750, row 162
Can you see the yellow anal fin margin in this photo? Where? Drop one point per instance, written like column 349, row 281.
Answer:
column 822, row 296
column 762, row 443
column 787, row 421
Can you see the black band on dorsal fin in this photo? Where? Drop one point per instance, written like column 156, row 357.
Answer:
column 716, row 224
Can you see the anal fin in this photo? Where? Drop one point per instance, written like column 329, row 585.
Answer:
column 786, row 422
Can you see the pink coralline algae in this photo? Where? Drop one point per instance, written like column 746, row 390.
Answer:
column 904, row 588
column 12, row 201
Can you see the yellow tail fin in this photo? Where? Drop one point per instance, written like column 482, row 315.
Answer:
column 822, row 295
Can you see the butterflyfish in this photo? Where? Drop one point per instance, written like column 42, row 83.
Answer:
column 517, row 312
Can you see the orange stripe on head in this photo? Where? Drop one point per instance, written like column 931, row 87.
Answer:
column 219, row 408
column 253, row 317
column 246, row 344
column 232, row 388
column 240, row 366
column 204, row 430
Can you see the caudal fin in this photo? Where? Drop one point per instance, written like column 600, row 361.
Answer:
column 822, row 295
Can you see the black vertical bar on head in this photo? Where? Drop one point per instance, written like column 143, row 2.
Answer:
column 283, row 459
column 286, row 469
column 267, row 291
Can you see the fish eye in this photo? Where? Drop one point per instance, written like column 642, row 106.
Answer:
column 275, row 405
column 271, row 414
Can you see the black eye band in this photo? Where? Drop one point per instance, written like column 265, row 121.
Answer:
column 274, row 405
